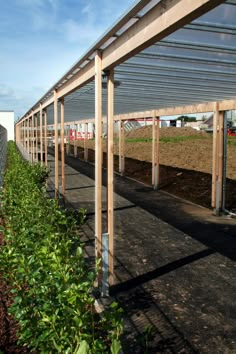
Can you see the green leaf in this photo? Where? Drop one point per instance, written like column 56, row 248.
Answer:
column 83, row 348
column 115, row 346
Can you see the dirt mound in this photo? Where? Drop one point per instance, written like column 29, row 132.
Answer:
column 146, row 132
column 193, row 152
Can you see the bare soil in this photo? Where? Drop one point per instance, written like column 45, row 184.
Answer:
column 185, row 162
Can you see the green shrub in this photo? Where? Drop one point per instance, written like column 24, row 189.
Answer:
column 43, row 261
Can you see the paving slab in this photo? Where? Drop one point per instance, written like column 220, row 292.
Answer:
column 175, row 272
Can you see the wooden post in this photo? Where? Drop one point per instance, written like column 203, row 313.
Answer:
column 33, row 137
column 16, row 129
column 98, row 153
column 85, row 142
column 41, row 134
column 36, row 137
column 121, row 147
column 22, row 137
column 45, row 137
column 28, row 136
column 22, row 133
column 25, row 135
column 110, row 172
column 74, row 139
column 215, row 155
column 62, row 148
column 56, row 143
column 155, row 151
column 68, row 140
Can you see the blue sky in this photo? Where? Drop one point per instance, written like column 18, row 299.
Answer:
column 41, row 39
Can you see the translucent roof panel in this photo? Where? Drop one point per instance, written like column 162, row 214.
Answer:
column 196, row 64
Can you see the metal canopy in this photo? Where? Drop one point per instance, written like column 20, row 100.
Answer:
column 195, row 64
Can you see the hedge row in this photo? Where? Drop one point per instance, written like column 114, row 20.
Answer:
column 43, row 261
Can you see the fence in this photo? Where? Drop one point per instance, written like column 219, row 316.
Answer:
column 3, row 151
column 25, row 154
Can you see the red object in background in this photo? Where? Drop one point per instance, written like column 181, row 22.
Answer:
column 231, row 132
column 79, row 135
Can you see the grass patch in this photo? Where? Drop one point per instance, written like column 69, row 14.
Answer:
column 138, row 140
column 231, row 141
column 180, row 138
column 165, row 139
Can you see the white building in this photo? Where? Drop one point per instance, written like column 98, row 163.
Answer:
column 7, row 121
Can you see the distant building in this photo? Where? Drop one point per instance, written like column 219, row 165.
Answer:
column 7, row 121
column 195, row 125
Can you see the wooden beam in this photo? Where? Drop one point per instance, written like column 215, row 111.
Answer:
column 198, row 108
column 98, row 153
column 48, row 102
column 56, row 144
column 110, row 173
column 163, row 19
column 224, row 105
column 62, row 148
column 41, row 134
column 83, row 77
column 227, row 105
column 45, row 137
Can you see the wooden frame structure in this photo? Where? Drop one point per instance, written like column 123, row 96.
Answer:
column 157, row 22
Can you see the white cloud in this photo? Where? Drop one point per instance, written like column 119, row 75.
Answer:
column 80, row 32
column 19, row 100
column 87, row 9
column 6, row 92
column 44, row 38
column 41, row 13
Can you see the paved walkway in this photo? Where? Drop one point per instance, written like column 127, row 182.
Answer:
column 175, row 267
